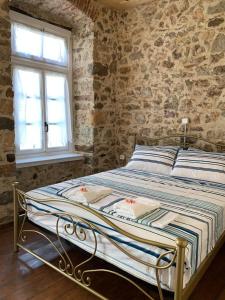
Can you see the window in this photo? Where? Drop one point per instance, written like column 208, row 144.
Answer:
column 41, row 59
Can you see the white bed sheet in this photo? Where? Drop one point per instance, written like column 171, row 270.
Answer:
column 201, row 211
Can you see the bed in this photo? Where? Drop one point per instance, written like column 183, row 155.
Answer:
column 172, row 258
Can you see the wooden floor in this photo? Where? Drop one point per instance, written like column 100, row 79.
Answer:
column 23, row 277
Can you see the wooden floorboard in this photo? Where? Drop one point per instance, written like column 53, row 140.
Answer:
column 22, row 277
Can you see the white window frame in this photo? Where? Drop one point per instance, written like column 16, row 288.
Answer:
column 45, row 66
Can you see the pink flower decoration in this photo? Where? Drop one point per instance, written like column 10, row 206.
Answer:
column 83, row 189
column 130, row 201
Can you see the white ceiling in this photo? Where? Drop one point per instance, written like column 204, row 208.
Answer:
column 123, row 3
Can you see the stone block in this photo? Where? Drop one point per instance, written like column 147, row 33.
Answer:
column 6, row 124
column 100, row 69
column 219, row 43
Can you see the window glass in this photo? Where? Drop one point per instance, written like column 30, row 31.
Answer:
column 56, row 95
column 28, row 108
column 26, row 40
column 33, row 43
column 54, row 49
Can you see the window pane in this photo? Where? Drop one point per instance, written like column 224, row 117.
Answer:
column 28, row 114
column 54, row 49
column 26, row 40
column 56, row 136
column 56, row 93
column 31, row 42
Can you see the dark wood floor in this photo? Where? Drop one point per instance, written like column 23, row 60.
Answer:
column 23, row 277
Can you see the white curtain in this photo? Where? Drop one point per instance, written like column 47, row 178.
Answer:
column 27, row 41
column 54, row 49
column 33, row 43
column 28, row 108
column 56, row 98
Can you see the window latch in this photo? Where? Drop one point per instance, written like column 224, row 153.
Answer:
column 46, row 127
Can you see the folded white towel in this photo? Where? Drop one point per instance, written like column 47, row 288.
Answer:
column 133, row 208
column 87, row 194
column 165, row 220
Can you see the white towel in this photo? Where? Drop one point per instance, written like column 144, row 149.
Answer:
column 165, row 220
column 133, row 208
column 87, row 194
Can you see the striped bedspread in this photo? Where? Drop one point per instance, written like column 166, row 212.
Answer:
column 200, row 205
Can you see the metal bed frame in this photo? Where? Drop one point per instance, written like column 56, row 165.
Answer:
column 79, row 227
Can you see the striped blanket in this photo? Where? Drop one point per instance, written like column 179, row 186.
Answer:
column 200, row 205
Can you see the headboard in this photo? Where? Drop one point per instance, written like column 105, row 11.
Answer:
column 182, row 140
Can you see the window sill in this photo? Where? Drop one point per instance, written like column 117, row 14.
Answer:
column 48, row 159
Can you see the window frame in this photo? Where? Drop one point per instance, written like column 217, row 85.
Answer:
column 46, row 66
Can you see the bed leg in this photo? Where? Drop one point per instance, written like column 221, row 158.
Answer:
column 15, row 217
column 181, row 245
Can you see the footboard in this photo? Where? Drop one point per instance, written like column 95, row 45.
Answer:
column 79, row 227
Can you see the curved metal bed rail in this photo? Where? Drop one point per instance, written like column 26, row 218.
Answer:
column 79, row 227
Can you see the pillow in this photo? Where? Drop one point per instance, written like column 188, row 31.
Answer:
column 158, row 159
column 201, row 165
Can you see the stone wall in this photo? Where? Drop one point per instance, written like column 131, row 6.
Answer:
column 94, row 77
column 104, row 71
column 37, row 176
column 171, row 64
column 7, row 157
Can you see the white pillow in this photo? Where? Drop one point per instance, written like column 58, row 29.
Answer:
column 158, row 159
column 209, row 166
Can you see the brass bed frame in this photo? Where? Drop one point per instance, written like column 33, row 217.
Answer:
column 79, row 227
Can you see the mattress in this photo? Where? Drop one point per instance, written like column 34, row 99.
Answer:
column 200, row 205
